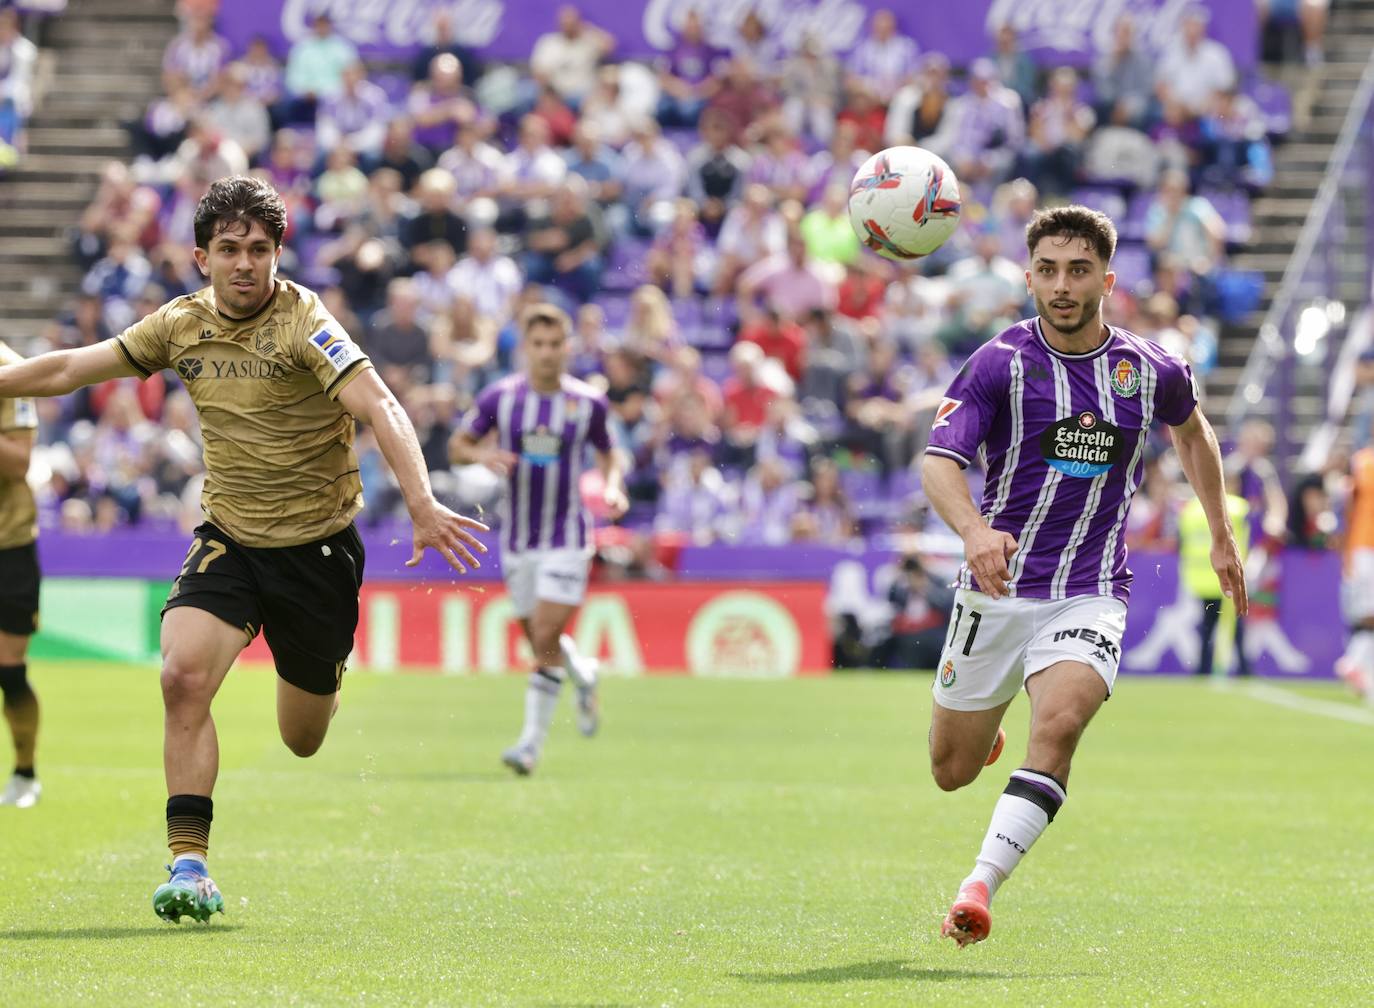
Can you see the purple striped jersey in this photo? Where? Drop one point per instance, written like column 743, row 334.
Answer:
column 550, row 435
column 1063, row 437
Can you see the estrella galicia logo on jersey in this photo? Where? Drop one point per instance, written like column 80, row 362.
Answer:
column 1125, row 379
column 189, row 368
column 1083, row 446
column 540, row 447
column 944, row 411
column 947, row 675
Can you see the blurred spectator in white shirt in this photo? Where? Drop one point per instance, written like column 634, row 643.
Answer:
column 356, row 116
column 1123, row 77
column 751, row 231
column 885, row 60
column 488, row 279
column 567, row 59
column 242, row 117
column 1194, row 68
column 196, row 55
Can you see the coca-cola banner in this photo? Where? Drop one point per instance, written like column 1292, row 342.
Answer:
column 1057, row 30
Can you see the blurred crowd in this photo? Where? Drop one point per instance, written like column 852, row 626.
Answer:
column 770, row 380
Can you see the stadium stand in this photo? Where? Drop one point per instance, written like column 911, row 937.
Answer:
column 682, row 210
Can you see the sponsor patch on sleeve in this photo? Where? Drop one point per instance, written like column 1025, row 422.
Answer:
column 25, row 413
column 337, row 348
column 945, row 410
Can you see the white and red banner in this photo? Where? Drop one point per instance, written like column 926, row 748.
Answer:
column 745, row 629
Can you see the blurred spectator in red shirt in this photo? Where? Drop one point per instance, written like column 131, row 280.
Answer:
column 865, row 113
column 741, row 97
column 781, row 339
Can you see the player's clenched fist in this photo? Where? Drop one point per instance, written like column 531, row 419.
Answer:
column 986, row 551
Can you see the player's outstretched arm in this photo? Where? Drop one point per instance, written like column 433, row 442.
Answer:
column 986, row 550
column 436, row 527
column 613, row 479
column 1200, row 455
column 464, row 449
column 63, row 371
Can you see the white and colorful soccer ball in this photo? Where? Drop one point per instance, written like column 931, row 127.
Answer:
column 904, row 202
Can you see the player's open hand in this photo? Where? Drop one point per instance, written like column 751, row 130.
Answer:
column 1231, row 573
column 616, row 502
column 499, row 461
column 440, row 529
column 986, row 551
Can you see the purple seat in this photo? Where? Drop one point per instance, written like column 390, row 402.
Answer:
column 715, row 365
column 1276, row 104
column 616, row 307
column 1131, row 264
column 1234, row 207
column 1101, row 198
column 709, row 338
column 686, row 311
column 683, row 138
column 861, row 486
column 1130, row 226
column 396, row 86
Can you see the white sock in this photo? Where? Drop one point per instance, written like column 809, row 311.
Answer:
column 541, row 700
column 582, row 671
column 1026, row 807
column 189, row 857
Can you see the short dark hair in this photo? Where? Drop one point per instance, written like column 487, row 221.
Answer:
column 544, row 313
column 1070, row 222
column 236, row 202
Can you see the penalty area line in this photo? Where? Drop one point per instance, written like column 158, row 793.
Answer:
column 1309, row 705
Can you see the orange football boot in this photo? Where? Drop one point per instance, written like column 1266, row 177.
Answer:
column 997, row 747
column 969, row 919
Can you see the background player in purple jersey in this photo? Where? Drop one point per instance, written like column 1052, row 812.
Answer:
column 1060, row 406
column 536, row 427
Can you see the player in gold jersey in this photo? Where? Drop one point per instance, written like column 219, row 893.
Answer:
column 18, row 590
column 278, row 384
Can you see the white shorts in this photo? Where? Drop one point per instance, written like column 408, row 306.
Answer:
column 1357, row 590
column 995, row 645
column 545, row 576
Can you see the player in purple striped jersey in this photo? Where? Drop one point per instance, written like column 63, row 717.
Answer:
column 1060, row 407
column 536, row 427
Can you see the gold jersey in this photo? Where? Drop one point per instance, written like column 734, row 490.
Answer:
column 18, row 514
column 279, row 460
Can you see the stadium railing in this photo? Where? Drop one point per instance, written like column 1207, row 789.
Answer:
column 1295, row 346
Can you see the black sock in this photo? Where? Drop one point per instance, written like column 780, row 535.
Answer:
column 14, row 682
column 188, row 824
column 24, row 771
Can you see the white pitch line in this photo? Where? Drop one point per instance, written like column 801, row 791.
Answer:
column 1308, row 705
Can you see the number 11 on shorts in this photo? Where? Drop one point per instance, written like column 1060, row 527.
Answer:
column 974, row 617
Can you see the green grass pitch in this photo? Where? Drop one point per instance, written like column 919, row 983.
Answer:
column 722, row 843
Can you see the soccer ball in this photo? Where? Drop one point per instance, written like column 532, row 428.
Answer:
column 904, row 203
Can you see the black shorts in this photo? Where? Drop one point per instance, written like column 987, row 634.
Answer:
column 304, row 599
column 19, row 590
